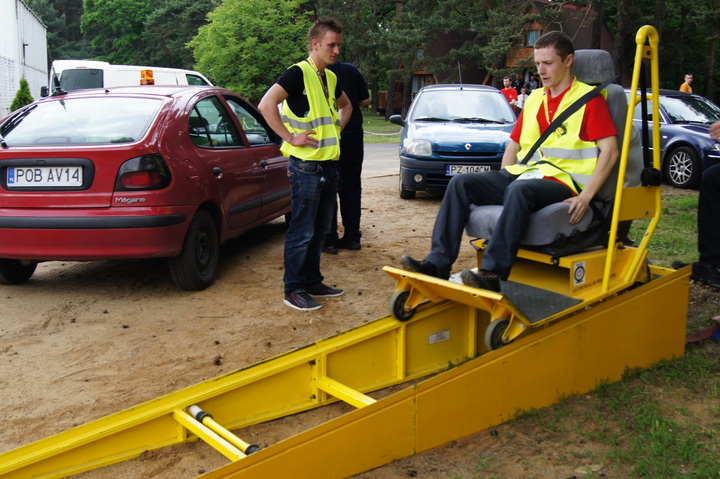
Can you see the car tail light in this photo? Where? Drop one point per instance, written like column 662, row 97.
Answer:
column 147, row 172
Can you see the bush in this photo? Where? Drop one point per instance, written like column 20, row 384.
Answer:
column 22, row 97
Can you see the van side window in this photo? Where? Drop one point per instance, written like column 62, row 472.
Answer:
column 256, row 132
column 195, row 80
column 210, row 126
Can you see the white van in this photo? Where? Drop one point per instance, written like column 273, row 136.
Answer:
column 81, row 74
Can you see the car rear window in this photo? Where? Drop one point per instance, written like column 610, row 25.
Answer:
column 81, row 121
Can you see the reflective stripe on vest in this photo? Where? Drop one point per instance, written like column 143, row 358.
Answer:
column 321, row 117
column 563, row 148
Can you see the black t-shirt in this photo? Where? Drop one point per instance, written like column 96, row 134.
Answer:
column 355, row 87
column 292, row 82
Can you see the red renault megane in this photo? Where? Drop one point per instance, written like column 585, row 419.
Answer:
column 136, row 172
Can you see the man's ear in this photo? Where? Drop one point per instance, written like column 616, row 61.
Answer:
column 570, row 59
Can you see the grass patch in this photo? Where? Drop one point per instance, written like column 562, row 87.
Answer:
column 379, row 130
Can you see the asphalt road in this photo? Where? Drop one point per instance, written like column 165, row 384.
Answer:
column 380, row 160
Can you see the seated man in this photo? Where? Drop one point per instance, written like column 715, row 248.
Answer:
column 571, row 166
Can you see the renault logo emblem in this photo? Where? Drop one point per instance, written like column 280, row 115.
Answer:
column 468, row 146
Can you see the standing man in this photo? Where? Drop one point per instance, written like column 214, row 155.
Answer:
column 571, row 166
column 707, row 268
column 351, row 158
column 509, row 92
column 687, row 86
column 314, row 111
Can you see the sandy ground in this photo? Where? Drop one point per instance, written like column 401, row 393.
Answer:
column 83, row 340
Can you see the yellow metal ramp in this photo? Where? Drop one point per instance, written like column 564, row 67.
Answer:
column 462, row 396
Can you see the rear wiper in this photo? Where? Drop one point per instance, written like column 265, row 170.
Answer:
column 431, row 118
column 13, row 122
column 476, row 119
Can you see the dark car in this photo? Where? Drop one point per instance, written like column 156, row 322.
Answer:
column 451, row 130
column 136, row 172
column 686, row 147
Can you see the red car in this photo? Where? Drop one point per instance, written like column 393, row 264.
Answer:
column 136, row 172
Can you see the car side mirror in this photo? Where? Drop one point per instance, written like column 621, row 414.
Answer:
column 44, row 91
column 397, row 120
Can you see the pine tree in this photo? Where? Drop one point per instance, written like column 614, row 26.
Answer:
column 22, row 97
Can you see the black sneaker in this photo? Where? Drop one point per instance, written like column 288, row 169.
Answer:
column 301, row 300
column 481, row 280
column 322, row 290
column 351, row 245
column 330, row 249
column 422, row 267
column 702, row 271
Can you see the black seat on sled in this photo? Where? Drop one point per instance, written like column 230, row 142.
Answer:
column 549, row 230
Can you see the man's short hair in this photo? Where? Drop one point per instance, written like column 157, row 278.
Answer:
column 560, row 41
column 321, row 26
column 506, row 78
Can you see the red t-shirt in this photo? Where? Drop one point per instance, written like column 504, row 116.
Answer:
column 596, row 123
column 510, row 94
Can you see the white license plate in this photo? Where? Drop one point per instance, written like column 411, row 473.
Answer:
column 44, row 176
column 451, row 170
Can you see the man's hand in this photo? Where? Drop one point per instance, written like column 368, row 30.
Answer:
column 304, row 139
column 578, row 207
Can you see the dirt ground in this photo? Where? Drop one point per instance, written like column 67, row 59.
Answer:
column 80, row 341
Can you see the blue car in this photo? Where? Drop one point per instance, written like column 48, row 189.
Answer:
column 451, row 130
column 687, row 149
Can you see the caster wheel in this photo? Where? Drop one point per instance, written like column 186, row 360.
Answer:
column 494, row 334
column 397, row 305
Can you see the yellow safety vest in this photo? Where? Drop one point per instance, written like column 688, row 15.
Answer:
column 563, row 148
column 322, row 117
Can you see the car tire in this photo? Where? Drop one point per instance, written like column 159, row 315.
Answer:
column 681, row 168
column 195, row 268
column 13, row 271
column 405, row 194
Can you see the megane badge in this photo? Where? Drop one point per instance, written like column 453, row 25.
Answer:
column 468, row 146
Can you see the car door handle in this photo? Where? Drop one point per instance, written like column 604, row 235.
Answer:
column 217, row 171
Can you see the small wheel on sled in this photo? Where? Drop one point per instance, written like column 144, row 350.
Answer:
column 397, row 305
column 494, row 334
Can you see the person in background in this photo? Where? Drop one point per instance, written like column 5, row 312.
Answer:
column 571, row 166
column 509, row 92
column 351, row 159
column 518, row 82
column 523, row 96
column 707, row 268
column 687, row 86
column 314, row 111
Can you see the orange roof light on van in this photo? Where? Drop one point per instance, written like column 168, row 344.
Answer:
column 146, row 77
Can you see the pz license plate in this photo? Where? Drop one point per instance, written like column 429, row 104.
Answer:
column 451, row 170
column 44, row 176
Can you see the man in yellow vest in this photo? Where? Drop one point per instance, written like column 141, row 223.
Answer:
column 314, row 111
column 571, row 166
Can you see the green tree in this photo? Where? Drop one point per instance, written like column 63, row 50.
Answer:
column 168, row 29
column 62, row 19
column 116, row 28
column 22, row 97
column 247, row 44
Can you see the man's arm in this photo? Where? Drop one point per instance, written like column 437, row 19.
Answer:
column 344, row 109
column 268, row 106
column 606, row 160
column 510, row 156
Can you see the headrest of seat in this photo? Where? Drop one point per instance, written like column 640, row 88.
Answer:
column 593, row 67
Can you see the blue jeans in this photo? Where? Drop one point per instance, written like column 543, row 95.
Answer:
column 708, row 218
column 314, row 187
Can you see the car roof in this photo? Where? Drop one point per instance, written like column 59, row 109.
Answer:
column 141, row 90
column 458, row 87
